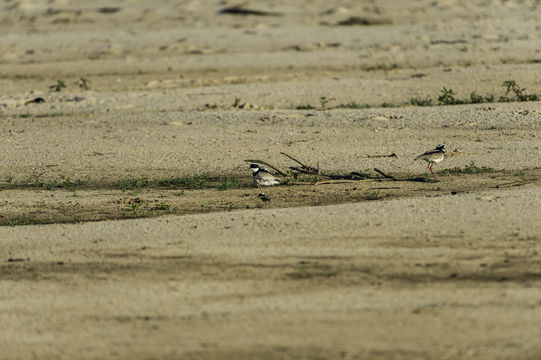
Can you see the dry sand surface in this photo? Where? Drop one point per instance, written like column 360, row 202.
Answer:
column 117, row 250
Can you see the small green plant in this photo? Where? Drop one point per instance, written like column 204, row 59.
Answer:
column 60, row 84
column 305, row 107
column 387, row 105
column 75, row 206
column 228, row 182
column 22, row 220
column 135, row 208
column 83, row 83
column 447, row 97
column 68, row 184
column 39, row 183
column 512, row 86
column 323, row 100
column 421, row 102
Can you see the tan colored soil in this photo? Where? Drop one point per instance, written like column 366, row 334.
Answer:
column 375, row 269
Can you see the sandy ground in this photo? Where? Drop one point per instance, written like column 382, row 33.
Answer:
column 375, row 269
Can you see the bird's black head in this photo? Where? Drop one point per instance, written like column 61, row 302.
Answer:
column 255, row 169
column 440, row 147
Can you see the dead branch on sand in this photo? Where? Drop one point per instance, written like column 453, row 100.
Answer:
column 304, row 168
column 343, row 181
column 352, row 177
column 382, row 156
column 414, row 179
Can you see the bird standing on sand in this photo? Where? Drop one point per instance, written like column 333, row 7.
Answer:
column 262, row 177
column 433, row 156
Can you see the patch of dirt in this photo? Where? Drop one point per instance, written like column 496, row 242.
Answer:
column 26, row 206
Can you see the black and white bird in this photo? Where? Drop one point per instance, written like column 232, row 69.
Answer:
column 433, row 156
column 264, row 197
column 262, row 177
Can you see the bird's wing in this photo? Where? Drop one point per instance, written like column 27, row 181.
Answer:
column 266, row 175
column 429, row 152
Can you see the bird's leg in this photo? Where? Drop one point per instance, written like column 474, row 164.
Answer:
column 430, row 168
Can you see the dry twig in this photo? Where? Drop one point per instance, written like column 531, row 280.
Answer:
column 382, row 156
column 306, row 168
column 416, row 179
column 341, row 181
column 385, row 175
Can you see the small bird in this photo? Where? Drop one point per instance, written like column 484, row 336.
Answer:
column 433, row 156
column 262, row 177
column 263, row 197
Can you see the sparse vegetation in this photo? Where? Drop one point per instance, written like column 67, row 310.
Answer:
column 471, row 168
column 22, row 220
column 134, row 184
column 84, row 83
column 60, row 84
column 228, row 182
column 193, row 181
column 448, row 96
column 61, row 183
column 479, row 99
column 135, row 208
column 75, row 206
column 421, row 102
column 305, row 107
column 323, row 100
column 353, row 105
column 520, row 94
